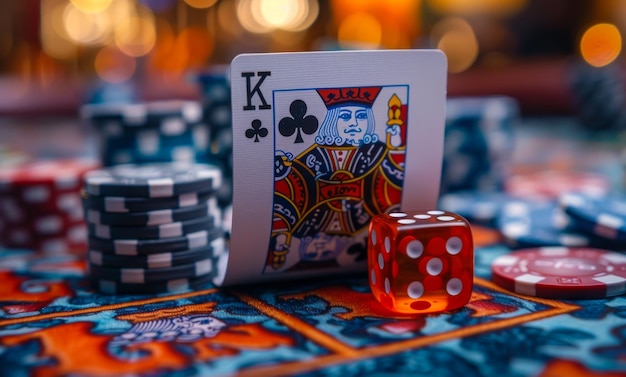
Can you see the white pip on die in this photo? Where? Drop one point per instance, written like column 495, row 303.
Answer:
column 421, row 262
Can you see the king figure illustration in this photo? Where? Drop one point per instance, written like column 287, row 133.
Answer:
column 325, row 197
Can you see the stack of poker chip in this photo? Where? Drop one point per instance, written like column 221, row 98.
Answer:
column 569, row 245
column 40, row 207
column 151, row 132
column 598, row 94
column 153, row 228
column 215, row 88
column 585, row 214
column 478, row 143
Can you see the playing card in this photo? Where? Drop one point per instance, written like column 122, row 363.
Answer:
column 322, row 142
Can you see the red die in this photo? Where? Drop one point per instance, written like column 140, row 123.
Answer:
column 421, row 262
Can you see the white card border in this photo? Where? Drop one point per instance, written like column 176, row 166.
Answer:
column 252, row 218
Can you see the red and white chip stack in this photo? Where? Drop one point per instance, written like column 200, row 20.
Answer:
column 40, row 205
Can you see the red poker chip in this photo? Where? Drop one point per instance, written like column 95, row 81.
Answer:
column 43, row 184
column 562, row 273
column 72, row 239
column 51, row 224
column 61, row 173
column 550, row 184
column 37, row 198
column 58, row 245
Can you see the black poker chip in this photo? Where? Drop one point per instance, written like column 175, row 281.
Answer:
column 113, row 287
column 171, row 230
column 526, row 223
column 151, row 246
column 604, row 216
column 150, row 218
column 156, row 180
column 135, row 275
column 122, row 204
column 156, row 260
column 140, row 114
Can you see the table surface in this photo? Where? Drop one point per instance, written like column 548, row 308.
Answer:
column 52, row 323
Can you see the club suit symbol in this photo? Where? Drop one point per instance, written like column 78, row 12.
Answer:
column 256, row 129
column 299, row 121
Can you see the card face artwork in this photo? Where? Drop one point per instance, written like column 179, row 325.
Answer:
column 322, row 142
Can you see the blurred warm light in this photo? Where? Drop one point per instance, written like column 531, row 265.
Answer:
column 263, row 16
column 284, row 14
column 227, row 17
column 196, row 45
column 280, row 13
column 91, row 6
column 53, row 11
column 394, row 37
column 311, row 9
column 121, row 11
column 456, row 38
column 601, row 44
column 46, row 70
column 20, row 68
column 484, row 7
column 113, row 66
column 246, row 11
column 86, row 28
column 174, row 54
column 136, row 36
column 200, row 4
column 398, row 20
column 161, row 53
column 54, row 40
column 360, row 29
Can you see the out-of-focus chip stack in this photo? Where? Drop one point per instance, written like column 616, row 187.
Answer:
column 40, row 207
column 154, row 228
column 478, row 143
column 215, row 88
column 160, row 131
column 598, row 95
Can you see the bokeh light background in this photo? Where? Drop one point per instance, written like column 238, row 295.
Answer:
column 158, row 42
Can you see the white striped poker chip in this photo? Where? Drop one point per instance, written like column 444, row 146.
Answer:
column 146, row 275
column 156, row 180
column 136, row 114
column 151, row 246
column 42, row 186
column 169, row 230
column 72, row 238
column 604, row 217
column 121, row 204
column 157, row 260
column 107, row 286
column 525, row 223
column 150, row 218
column 37, row 198
column 562, row 273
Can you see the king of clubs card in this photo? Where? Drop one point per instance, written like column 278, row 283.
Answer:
column 339, row 162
